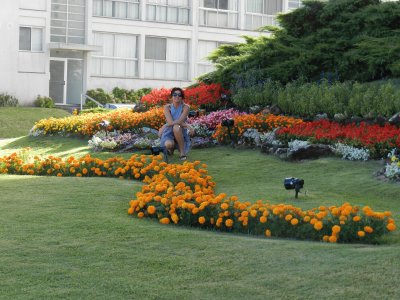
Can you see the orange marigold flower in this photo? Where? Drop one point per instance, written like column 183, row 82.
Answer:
column 140, row 214
column 361, row 233
column 164, row 221
column 288, row 217
column 318, row 225
column 356, row 218
column 224, row 206
column 332, row 239
column 263, row 219
column 151, row 209
column 391, row 227
column 202, row 220
column 267, row 233
column 368, row 229
column 229, row 223
column 130, row 210
column 336, row 229
column 294, row 221
column 325, row 238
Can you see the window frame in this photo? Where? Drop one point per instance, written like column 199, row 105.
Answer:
column 31, row 40
column 168, row 6
column 70, row 18
column 113, row 11
column 166, row 61
column 207, row 10
column 114, row 58
column 266, row 19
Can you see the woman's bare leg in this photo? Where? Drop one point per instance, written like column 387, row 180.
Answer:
column 170, row 145
column 178, row 134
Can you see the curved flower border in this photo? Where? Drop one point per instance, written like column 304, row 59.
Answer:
column 185, row 195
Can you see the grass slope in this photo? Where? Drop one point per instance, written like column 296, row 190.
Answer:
column 17, row 121
column 72, row 237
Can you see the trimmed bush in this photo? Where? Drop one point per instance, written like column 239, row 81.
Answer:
column 43, row 101
column 7, row 100
column 309, row 99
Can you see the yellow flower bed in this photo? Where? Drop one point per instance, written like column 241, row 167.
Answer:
column 88, row 124
column 185, row 194
column 261, row 122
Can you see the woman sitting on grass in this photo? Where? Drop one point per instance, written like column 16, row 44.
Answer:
column 176, row 131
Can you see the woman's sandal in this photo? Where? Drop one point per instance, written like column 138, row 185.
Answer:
column 182, row 157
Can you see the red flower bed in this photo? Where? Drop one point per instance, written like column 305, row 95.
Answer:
column 379, row 140
column 201, row 95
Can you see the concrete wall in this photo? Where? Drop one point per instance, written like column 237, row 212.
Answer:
column 23, row 74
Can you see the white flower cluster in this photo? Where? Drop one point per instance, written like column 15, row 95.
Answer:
column 350, row 152
column 392, row 170
column 252, row 137
column 36, row 132
column 98, row 143
column 201, row 130
column 297, row 145
column 108, row 144
column 144, row 143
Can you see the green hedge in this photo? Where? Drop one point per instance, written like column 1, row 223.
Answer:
column 118, row 95
column 309, row 99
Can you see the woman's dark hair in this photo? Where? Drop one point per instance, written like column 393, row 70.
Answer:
column 179, row 90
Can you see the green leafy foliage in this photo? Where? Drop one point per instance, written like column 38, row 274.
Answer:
column 8, row 100
column 118, row 95
column 43, row 101
column 353, row 39
column 308, row 99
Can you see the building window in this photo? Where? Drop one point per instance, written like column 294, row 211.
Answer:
column 31, row 39
column 118, row 57
column 204, row 48
column 168, row 11
column 262, row 12
column 122, row 9
column 68, row 19
column 219, row 13
column 166, row 58
column 293, row 4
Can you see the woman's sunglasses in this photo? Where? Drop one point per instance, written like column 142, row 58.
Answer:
column 176, row 95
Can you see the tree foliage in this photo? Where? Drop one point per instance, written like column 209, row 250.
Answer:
column 353, row 39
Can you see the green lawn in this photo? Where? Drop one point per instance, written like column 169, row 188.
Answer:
column 17, row 121
column 72, row 237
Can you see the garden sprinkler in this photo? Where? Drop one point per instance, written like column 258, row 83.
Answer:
column 155, row 150
column 292, row 183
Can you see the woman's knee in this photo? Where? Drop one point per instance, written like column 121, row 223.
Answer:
column 177, row 128
column 169, row 144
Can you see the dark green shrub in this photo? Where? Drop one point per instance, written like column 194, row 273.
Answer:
column 8, row 100
column 94, row 110
column 129, row 96
column 100, row 96
column 43, row 101
column 309, row 99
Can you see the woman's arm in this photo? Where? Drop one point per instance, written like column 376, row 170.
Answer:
column 184, row 115
column 168, row 116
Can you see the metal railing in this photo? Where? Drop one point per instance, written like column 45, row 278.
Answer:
column 83, row 100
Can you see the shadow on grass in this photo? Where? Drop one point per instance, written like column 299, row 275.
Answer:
column 50, row 143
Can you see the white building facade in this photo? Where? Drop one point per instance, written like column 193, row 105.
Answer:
column 61, row 48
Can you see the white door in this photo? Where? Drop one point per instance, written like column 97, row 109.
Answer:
column 66, row 80
column 57, row 80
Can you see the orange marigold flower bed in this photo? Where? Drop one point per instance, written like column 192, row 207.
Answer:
column 185, row 195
